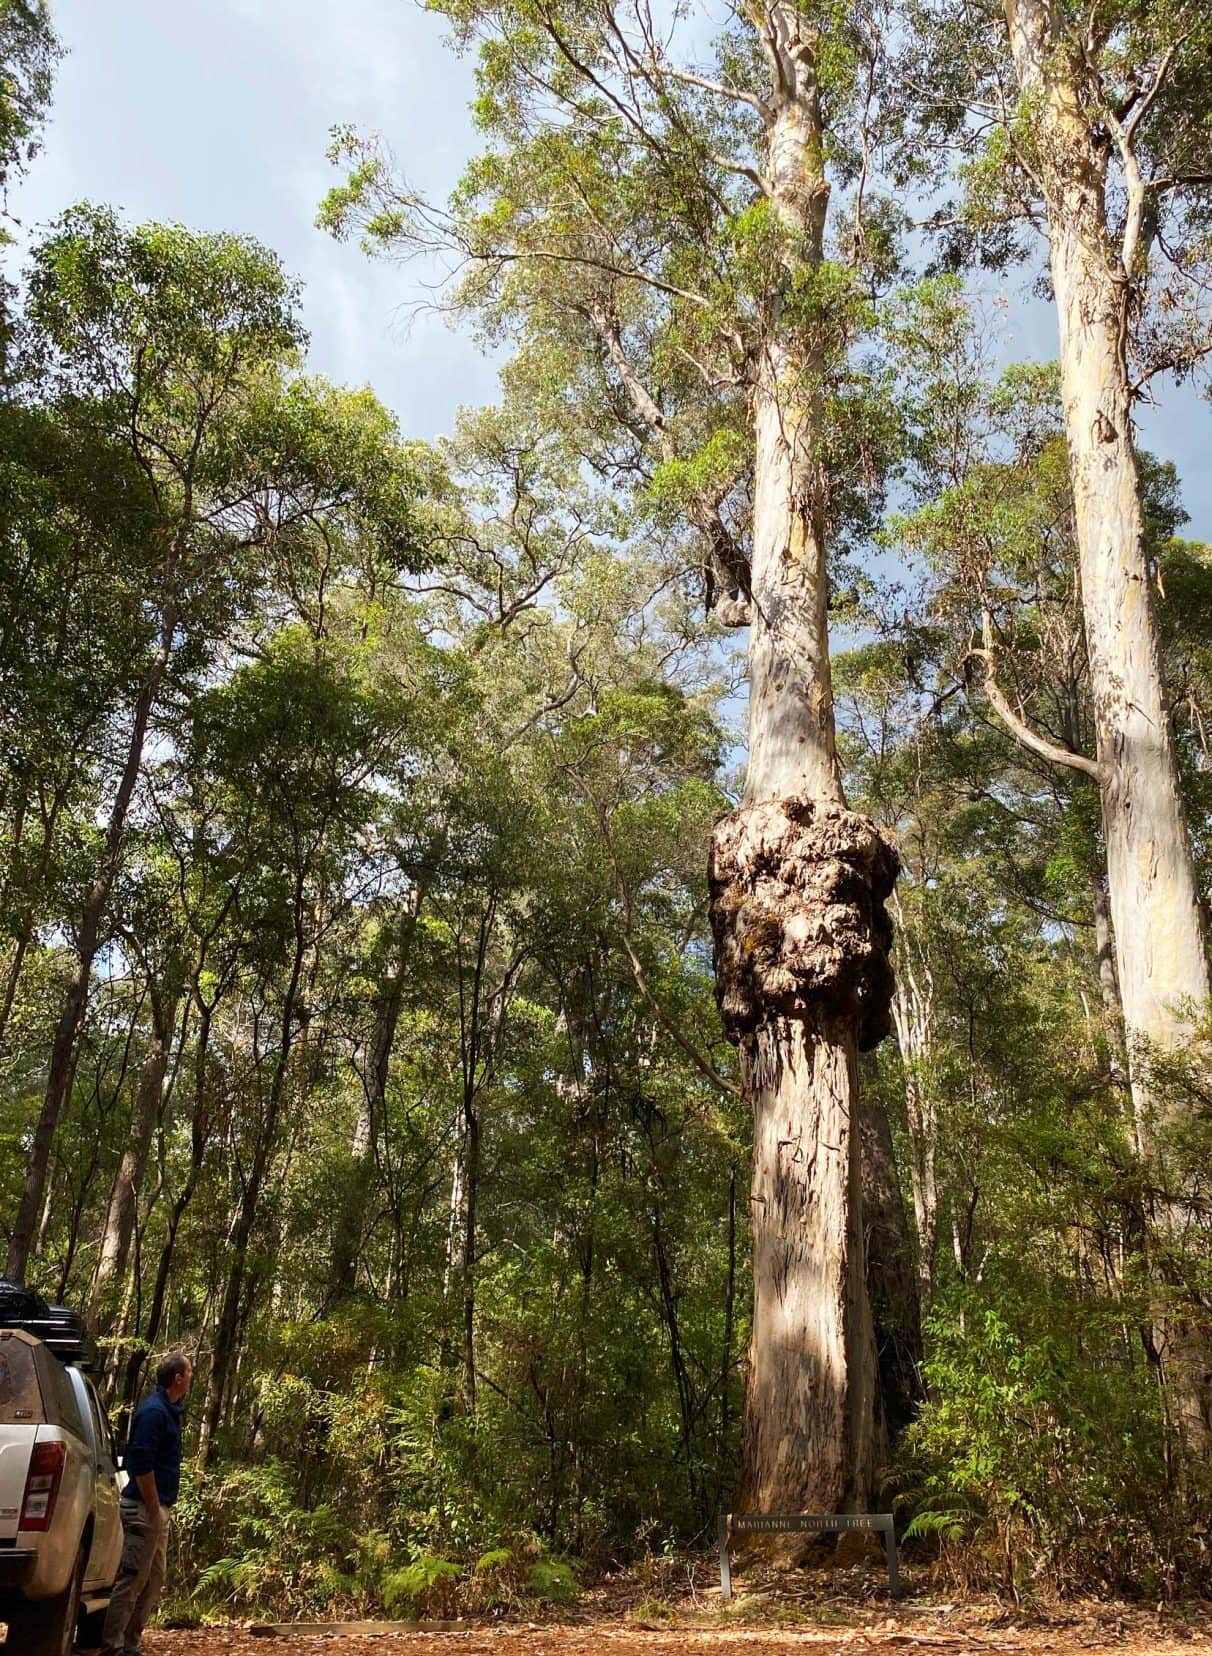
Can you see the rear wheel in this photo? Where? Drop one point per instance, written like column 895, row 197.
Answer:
column 47, row 1627
column 89, row 1629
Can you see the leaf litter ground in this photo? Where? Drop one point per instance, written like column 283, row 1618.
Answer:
column 1079, row 1630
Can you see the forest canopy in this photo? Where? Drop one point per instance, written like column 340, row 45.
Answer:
column 648, row 956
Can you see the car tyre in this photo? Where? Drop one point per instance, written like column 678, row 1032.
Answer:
column 89, row 1629
column 47, row 1627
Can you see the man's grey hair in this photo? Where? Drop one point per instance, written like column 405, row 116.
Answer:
column 170, row 1367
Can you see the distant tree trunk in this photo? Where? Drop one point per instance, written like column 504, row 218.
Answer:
column 347, row 1237
column 225, row 1346
column 454, row 1226
column 199, row 1128
column 1159, row 941
column 124, row 1196
column 481, row 1017
column 87, row 940
column 798, row 885
column 467, row 1263
column 726, row 1353
column 913, row 1018
column 352, row 1216
column 1160, row 946
column 26, row 924
column 892, row 1282
column 677, row 1357
column 1108, row 982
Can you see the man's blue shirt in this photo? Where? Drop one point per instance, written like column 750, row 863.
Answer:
column 154, row 1446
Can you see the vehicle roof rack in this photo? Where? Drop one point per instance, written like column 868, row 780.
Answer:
column 59, row 1328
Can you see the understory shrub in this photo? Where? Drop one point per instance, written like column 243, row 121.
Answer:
column 1038, row 1462
column 362, row 1515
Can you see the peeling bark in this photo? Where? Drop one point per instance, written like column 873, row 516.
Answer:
column 809, row 1431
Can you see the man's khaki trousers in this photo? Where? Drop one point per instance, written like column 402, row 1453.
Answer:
column 140, row 1578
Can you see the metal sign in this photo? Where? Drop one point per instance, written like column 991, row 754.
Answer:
column 758, row 1523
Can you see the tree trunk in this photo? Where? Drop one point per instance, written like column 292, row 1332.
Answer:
column 1159, row 940
column 347, row 1238
column 350, row 1220
column 1108, row 982
column 677, row 1356
column 24, row 931
column 124, row 1197
column 913, row 1018
column 197, row 1154
column 892, row 1281
column 798, row 884
column 809, row 1427
column 225, row 1346
column 471, row 1210
column 1160, row 948
column 76, row 998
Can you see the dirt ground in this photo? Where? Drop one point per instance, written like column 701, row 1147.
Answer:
column 929, row 1632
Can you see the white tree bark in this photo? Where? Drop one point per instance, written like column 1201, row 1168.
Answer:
column 798, row 884
column 1159, row 942
column 1160, row 948
column 913, row 1017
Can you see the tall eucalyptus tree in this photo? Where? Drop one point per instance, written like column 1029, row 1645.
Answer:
column 1090, row 124
column 649, row 225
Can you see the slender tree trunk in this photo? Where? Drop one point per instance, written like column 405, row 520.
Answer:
column 197, row 1155
column 24, row 930
column 913, row 1019
column 226, row 1344
column 467, row 1264
column 798, row 884
column 350, row 1220
column 124, row 1197
column 677, row 1357
column 726, row 1358
column 1108, row 982
column 454, row 1225
column 76, row 998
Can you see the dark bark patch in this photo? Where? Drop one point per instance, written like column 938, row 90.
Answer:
column 798, row 894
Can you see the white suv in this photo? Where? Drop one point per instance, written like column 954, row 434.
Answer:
column 60, row 1529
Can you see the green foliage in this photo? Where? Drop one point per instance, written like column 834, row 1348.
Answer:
column 274, row 1554
column 424, row 1587
column 1041, row 1443
column 28, row 53
column 414, row 870
column 552, row 1581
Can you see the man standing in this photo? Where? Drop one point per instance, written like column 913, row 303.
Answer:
column 153, row 1465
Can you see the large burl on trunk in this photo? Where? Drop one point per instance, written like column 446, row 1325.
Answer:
column 798, row 888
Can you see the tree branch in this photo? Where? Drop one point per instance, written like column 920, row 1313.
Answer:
column 1023, row 733
column 736, row 93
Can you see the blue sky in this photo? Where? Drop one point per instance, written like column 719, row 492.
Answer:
column 216, row 113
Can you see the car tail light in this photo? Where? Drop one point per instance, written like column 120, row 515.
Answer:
column 46, row 1465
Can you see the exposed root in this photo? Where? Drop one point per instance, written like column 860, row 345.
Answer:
column 798, row 890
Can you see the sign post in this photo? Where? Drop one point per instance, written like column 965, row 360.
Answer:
column 754, row 1523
